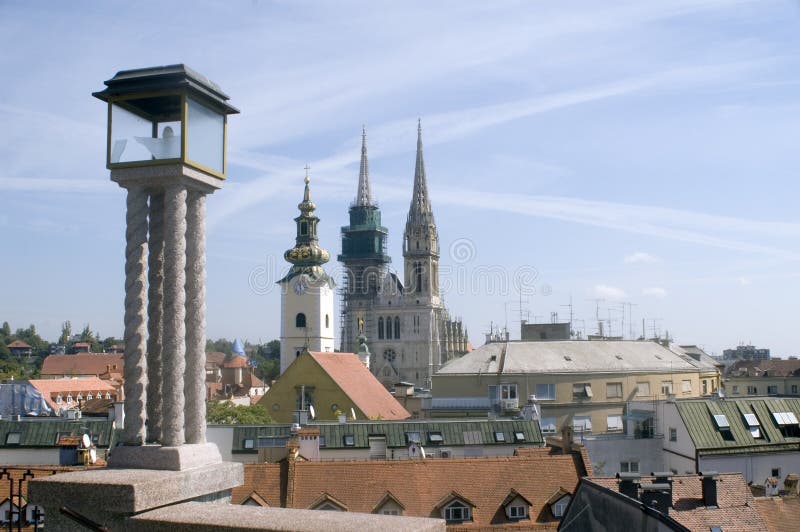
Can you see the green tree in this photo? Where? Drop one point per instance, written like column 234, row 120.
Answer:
column 66, row 333
column 6, row 330
column 222, row 345
column 268, row 360
column 88, row 336
column 227, row 413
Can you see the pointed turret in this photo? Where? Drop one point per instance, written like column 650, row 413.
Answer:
column 420, row 212
column 306, row 256
column 363, row 196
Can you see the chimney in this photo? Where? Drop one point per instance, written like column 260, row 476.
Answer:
column 628, row 484
column 709, row 488
column 657, row 496
column 566, row 439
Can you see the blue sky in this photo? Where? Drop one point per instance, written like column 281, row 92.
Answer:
column 629, row 151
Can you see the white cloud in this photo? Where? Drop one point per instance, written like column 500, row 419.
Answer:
column 609, row 292
column 640, row 256
column 655, row 291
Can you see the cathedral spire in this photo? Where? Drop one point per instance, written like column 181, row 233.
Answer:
column 420, row 211
column 363, row 196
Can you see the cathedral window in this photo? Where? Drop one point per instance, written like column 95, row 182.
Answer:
column 300, row 320
column 418, row 273
column 380, row 328
column 397, row 327
column 389, row 328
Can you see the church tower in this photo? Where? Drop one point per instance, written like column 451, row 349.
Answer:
column 364, row 258
column 421, row 240
column 307, row 292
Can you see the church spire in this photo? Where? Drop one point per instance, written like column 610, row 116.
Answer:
column 420, row 211
column 363, row 196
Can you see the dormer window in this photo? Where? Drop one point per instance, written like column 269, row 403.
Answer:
column 457, row 512
column 328, row 503
column 413, row 437
column 108, row 395
column 59, row 399
column 516, row 506
column 349, row 440
column 559, row 508
column 89, row 396
column 435, row 438
column 519, row 436
column 69, row 398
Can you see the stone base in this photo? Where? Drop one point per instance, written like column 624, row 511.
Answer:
column 110, row 497
column 162, row 458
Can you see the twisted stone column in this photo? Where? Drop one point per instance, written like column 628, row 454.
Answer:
column 135, row 371
column 155, row 315
column 174, row 350
column 195, row 377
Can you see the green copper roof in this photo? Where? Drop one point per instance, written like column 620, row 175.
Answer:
column 452, row 433
column 43, row 432
column 708, row 438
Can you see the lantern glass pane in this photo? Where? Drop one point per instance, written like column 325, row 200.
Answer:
column 205, row 136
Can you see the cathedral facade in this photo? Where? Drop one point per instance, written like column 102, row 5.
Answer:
column 409, row 330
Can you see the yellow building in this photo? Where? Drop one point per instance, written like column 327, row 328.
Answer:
column 330, row 384
column 583, row 383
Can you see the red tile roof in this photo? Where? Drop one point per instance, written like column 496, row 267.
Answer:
column 736, row 511
column 782, row 514
column 765, row 368
column 361, row 386
column 50, row 388
column 419, row 486
column 19, row 344
column 237, row 361
column 82, row 364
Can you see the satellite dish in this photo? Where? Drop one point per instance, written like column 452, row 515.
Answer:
column 353, row 413
column 93, row 456
column 87, row 442
column 311, row 411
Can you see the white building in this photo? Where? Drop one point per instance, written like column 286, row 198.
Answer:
column 306, row 291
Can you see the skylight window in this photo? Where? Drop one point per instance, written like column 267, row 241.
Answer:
column 785, row 418
column 519, row 436
column 499, row 437
column 413, row 437
column 349, row 440
column 752, row 420
column 435, row 437
column 722, row 422
column 249, row 443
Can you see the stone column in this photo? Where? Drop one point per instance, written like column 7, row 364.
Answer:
column 174, row 350
column 135, row 371
column 155, row 315
column 195, row 376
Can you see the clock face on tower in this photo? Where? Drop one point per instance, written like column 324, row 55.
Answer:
column 299, row 287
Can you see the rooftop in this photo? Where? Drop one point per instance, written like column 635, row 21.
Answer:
column 735, row 512
column 81, row 364
column 570, row 356
column 774, row 367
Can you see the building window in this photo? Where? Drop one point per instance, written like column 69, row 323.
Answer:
column 390, row 512
column 673, row 434
column 418, row 273
column 631, row 466
column 614, row 390
column 686, row 386
column 457, row 512
column 735, row 389
column 548, row 425
column 59, row 399
column 546, row 392
column 499, row 437
column 705, row 387
column 327, row 321
column 389, row 328
column 508, row 391
column 303, row 401
column 581, row 390
column 322, row 441
column 380, row 328
column 614, row 422
column 752, row 390
column 559, row 508
column 772, row 389
column 349, row 440
column 397, row 327
column 666, row 387
column 300, row 320
column 776, row 472
column 519, row 436
column 794, row 388
column 13, row 438
column 642, row 389
column 517, row 512
column 582, row 423
column 248, row 444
